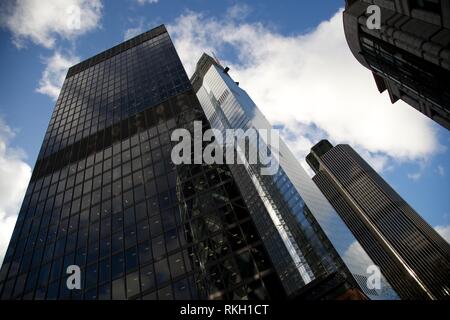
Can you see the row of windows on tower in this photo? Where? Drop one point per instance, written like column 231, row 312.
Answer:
column 139, row 80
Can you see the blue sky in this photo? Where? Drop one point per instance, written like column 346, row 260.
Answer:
column 290, row 56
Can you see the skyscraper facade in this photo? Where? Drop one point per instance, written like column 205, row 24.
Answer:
column 311, row 244
column 414, row 258
column 105, row 195
column 408, row 52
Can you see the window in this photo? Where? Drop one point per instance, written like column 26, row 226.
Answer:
column 104, row 292
column 181, row 290
column 128, row 198
column 104, row 271
column 91, row 276
column 147, row 278
column 132, row 284
column 118, row 289
column 176, row 265
column 165, row 293
column 117, row 242
column 117, row 262
column 141, row 211
column 130, row 236
column 162, row 272
column 171, row 240
column 427, row 5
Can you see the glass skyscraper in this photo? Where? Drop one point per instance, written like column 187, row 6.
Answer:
column 411, row 254
column 309, row 242
column 105, row 196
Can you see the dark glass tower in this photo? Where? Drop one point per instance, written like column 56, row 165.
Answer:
column 104, row 194
column 409, row 55
column 413, row 257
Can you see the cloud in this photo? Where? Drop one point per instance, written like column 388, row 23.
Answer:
column 310, row 79
column 12, row 168
column 444, row 231
column 423, row 166
column 301, row 138
column 379, row 161
column 132, row 32
column 238, row 11
column 54, row 73
column 44, row 21
column 141, row 26
column 142, row 2
column 440, row 170
column 356, row 253
column 414, row 176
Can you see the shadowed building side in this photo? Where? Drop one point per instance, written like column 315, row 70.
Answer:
column 409, row 55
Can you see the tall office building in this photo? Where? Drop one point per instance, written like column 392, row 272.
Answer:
column 311, row 244
column 409, row 54
column 414, row 258
column 105, row 196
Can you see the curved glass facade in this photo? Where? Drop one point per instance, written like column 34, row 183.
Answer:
column 317, row 239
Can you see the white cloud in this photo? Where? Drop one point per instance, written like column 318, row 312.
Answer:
column 142, row 2
column 378, row 161
column 141, row 26
column 54, row 73
column 132, row 32
column 356, row 253
column 12, row 168
column 414, row 176
column 313, row 80
column 44, row 20
column 303, row 137
column 441, row 170
column 300, row 139
column 238, row 11
column 444, row 231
